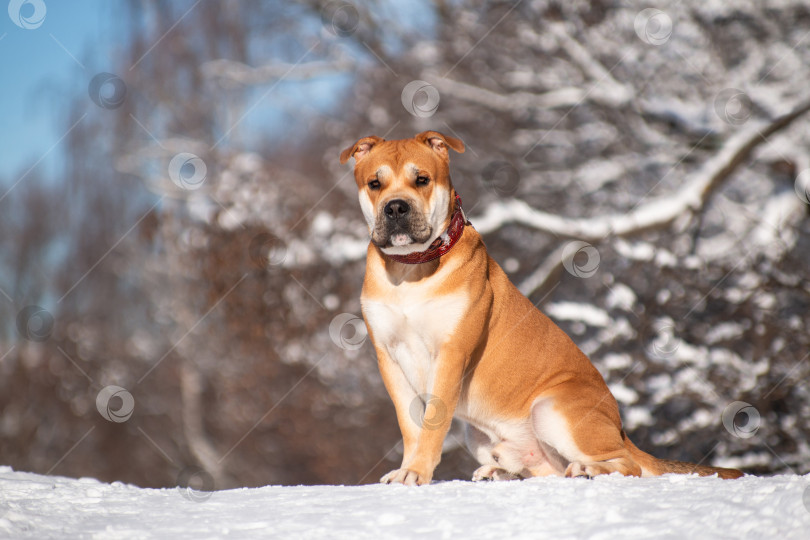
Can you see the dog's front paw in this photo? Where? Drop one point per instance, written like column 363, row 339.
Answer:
column 491, row 472
column 405, row 476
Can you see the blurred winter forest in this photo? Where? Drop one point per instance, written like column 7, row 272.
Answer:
column 637, row 169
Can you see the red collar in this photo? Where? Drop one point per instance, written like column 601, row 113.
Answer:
column 442, row 244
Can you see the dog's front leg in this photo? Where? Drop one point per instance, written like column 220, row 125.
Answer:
column 403, row 395
column 425, row 423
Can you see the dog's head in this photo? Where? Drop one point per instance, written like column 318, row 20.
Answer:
column 405, row 190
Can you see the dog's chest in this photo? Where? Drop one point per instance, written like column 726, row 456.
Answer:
column 412, row 327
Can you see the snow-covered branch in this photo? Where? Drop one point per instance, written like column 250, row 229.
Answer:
column 240, row 73
column 516, row 101
column 656, row 213
column 604, row 89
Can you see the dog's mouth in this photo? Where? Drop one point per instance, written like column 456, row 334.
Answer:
column 400, row 239
column 396, row 235
column 400, row 233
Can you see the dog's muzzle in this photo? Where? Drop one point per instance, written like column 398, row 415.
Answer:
column 400, row 224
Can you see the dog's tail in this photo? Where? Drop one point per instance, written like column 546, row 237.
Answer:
column 657, row 466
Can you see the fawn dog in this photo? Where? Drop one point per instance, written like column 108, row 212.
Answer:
column 454, row 337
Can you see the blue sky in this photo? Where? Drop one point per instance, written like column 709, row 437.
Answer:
column 45, row 67
column 39, row 76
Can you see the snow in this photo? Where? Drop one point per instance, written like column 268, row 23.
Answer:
column 616, row 361
column 621, row 297
column 577, row 311
column 638, row 251
column 634, row 417
column 623, row 394
column 725, row 331
column 672, row 506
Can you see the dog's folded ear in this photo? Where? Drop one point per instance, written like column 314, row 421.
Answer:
column 439, row 142
column 359, row 149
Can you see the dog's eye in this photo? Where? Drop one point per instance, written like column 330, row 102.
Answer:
column 374, row 184
column 422, row 180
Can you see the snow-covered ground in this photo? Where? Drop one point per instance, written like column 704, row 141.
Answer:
column 35, row 506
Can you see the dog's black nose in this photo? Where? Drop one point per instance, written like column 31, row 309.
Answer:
column 396, row 209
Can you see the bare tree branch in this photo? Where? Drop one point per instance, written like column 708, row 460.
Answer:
column 191, row 387
column 608, row 90
column 544, row 273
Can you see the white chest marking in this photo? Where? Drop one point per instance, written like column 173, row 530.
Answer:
column 413, row 330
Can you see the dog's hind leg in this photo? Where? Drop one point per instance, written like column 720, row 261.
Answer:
column 582, row 436
column 481, row 446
